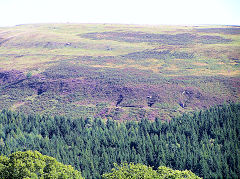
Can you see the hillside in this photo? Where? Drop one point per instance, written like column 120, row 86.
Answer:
column 205, row 142
column 118, row 72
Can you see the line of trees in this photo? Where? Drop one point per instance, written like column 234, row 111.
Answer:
column 205, row 142
column 32, row 164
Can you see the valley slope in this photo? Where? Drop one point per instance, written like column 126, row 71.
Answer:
column 120, row 72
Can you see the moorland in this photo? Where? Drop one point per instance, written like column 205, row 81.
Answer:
column 119, row 101
column 119, row 72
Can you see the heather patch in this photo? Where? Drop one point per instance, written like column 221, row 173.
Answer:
column 166, row 54
column 228, row 31
column 138, row 37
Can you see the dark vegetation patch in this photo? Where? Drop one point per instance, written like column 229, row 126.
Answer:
column 2, row 40
column 166, row 54
column 64, row 71
column 67, row 70
column 13, row 76
column 138, row 37
column 209, row 39
column 69, row 83
column 237, row 60
column 48, row 45
column 230, row 31
column 189, row 95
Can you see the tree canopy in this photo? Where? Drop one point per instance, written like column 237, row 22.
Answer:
column 206, row 142
column 32, row 164
column 137, row 171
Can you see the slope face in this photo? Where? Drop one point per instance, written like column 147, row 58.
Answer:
column 118, row 71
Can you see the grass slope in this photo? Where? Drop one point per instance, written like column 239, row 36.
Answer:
column 118, row 71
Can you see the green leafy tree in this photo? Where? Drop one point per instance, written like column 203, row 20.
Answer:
column 32, row 164
column 131, row 170
column 29, row 74
column 165, row 172
column 140, row 171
